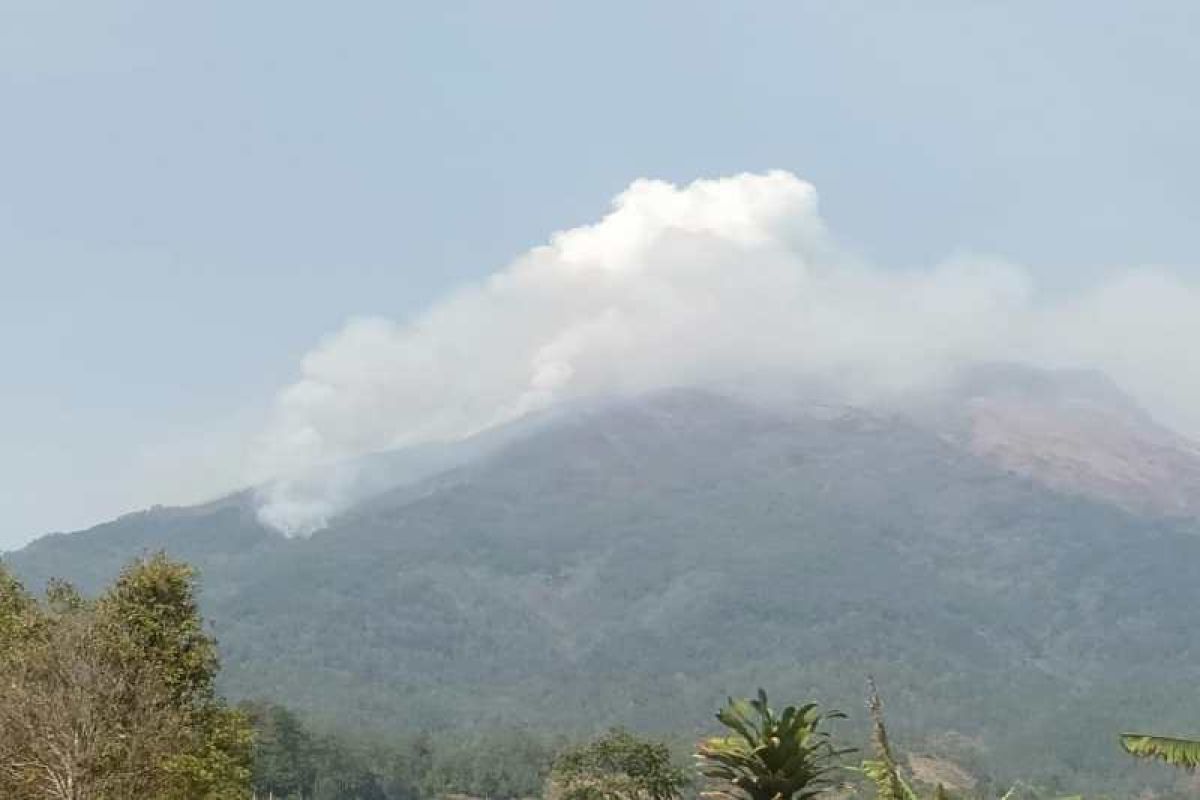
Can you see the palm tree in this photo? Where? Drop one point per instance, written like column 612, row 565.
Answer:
column 1183, row 753
column 770, row 756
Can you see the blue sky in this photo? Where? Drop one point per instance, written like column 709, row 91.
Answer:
column 192, row 195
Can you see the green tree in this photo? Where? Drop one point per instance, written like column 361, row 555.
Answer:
column 770, row 756
column 617, row 766
column 114, row 699
column 285, row 754
column 497, row 763
column 343, row 774
column 405, row 762
column 152, row 624
column 20, row 617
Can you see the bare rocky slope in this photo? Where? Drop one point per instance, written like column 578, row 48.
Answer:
column 1076, row 432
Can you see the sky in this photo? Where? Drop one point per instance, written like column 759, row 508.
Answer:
column 195, row 196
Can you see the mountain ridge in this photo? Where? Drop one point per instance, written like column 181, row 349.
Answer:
column 636, row 561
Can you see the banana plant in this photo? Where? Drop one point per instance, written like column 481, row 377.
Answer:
column 1183, row 753
column 769, row 756
column 883, row 770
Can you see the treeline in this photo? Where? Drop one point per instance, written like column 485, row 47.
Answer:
column 293, row 761
column 789, row 754
column 113, row 698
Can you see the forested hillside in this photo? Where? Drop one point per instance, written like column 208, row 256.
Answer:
column 633, row 563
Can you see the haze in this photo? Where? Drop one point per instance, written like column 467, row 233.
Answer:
column 193, row 198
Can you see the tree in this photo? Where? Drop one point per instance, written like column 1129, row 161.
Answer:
column 153, row 625
column 617, row 766
column 114, row 698
column 285, row 755
column 497, row 763
column 74, row 726
column 20, row 617
column 343, row 775
column 770, row 756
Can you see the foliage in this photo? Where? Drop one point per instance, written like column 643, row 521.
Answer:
column 114, row 699
column 292, row 760
column 73, row 722
column 883, row 770
column 20, row 617
column 285, row 753
column 586, row 579
column 619, row 766
column 497, row 763
column 153, row 623
column 770, row 756
column 1183, row 753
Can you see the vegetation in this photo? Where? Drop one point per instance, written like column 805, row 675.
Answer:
column 627, row 570
column 114, row 698
column 620, row 766
column 883, row 770
column 293, row 762
column 770, row 756
column 1183, row 753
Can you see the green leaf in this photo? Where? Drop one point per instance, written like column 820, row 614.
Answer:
column 1183, row 753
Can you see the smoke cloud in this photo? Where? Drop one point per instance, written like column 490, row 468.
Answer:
column 720, row 281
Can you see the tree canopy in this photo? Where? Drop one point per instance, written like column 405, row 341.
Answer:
column 113, row 698
column 617, row 766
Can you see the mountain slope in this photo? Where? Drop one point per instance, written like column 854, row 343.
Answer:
column 635, row 562
column 1075, row 431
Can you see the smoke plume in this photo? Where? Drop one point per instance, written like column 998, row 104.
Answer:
column 720, row 281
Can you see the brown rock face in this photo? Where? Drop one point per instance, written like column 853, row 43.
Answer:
column 1076, row 433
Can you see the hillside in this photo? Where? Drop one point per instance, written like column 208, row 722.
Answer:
column 634, row 562
column 1076, row 432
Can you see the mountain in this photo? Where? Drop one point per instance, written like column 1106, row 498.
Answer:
column 1075, row 431
column 635, row 561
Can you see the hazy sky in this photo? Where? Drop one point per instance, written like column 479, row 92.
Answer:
column 193, row 195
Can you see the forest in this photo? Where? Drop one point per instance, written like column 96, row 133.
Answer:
column 114, row 698
column 634, row 566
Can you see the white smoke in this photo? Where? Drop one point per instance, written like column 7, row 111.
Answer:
column 718, row 281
